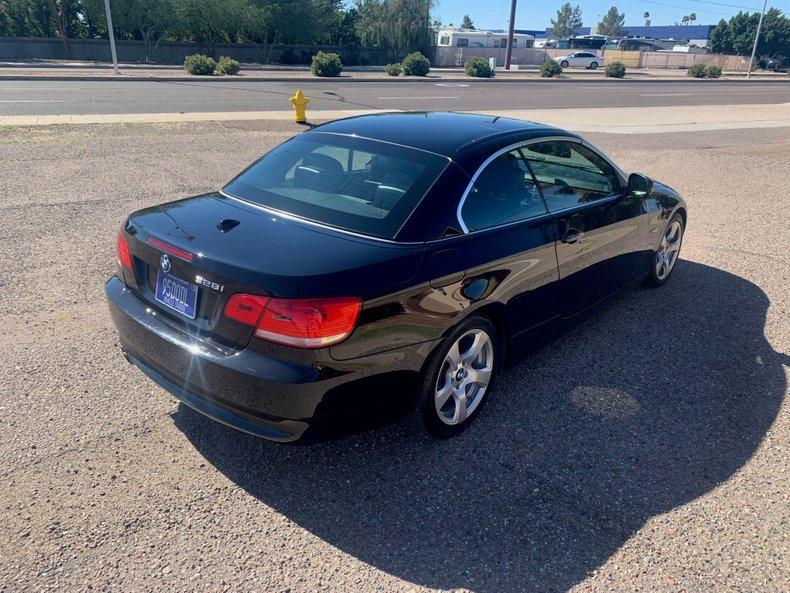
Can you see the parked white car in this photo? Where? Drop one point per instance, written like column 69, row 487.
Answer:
column 580, row 59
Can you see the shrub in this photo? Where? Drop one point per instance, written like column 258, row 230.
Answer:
column 200, row 65
column 615, row 70
column 550, row 68
column 713, row 71
column 478, row 68
column 228, row 65
column 326, row 64
column 416, row 64
column 394, row 69
column 696, row 71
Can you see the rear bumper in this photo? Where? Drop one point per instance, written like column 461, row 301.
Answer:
column 284, row 430
column 250, row 390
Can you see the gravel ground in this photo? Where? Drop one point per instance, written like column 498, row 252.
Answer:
column 644, row 450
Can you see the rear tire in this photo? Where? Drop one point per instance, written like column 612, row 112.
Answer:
column 668, row 252
column 458, row 379
column 564, row 63
column 593, row 65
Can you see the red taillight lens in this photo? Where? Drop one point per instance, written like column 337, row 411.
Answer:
column 304, row 323
column 245, row 308
column 122, row 252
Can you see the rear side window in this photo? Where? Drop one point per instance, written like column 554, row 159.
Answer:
column 569, row 173
column 503, row 192
column 355, row 184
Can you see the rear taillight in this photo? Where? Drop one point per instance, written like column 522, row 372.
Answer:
column 122, row 252
column 246, row 308
column 303, row 323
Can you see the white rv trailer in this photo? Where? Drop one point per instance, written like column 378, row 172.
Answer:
column 457, row 37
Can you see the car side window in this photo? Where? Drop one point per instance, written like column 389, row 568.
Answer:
column 503, row 192
column 569, row 173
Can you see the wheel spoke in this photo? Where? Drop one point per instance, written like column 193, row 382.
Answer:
column 454, row 356
column 475, row 349
column 480, row 376
column 459, row 395
column 443, row 395
column 674, row 246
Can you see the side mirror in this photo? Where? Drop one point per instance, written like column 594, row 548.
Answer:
column 639, row 185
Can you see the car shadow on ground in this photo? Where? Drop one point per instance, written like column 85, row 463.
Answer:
column 659, row 398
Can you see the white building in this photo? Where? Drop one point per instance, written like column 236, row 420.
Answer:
column 457, row 37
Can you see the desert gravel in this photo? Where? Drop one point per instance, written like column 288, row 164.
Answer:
column 646, row 449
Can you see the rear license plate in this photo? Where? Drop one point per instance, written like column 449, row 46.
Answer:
column 177, row 294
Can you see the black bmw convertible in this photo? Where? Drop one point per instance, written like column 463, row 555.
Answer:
column 378, row 257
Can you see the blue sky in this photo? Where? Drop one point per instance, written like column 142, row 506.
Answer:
column 536, row 14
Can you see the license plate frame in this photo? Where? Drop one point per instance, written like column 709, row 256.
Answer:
column 176, row 294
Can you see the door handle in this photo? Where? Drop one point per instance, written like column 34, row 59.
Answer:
column 571, row 235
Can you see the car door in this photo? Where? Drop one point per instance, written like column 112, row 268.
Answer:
column 601, row 230
column 508, row 246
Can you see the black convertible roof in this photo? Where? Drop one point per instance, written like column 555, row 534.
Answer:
column 445, row 133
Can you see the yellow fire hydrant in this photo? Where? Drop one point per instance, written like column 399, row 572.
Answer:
column 300, row 103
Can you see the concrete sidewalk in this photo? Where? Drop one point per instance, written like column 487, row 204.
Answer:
column 616, row 120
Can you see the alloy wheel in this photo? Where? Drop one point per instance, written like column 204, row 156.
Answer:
column 668, row 251
column 464, row 377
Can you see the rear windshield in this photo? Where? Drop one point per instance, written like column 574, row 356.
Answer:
column 360, row 185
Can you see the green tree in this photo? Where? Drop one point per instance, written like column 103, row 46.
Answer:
column 743, row 27
column 467, row 23
column 147, row 20
column 775, row 35
column 737, row 35
column 720, row 40
column 29, row 18
column 398, row 26
column 345, row 33
column 207, row 22
column 569, row 19
column 612, row 23
column 66, row 16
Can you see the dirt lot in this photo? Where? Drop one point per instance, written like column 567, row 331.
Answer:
column 646, row 449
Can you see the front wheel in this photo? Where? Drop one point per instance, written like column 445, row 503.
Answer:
column 667, row 253
column 458, row 380
column 593, row 65
column 564, row 63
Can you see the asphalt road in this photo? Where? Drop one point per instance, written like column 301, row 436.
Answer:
column 84, row 97
column 645, row 449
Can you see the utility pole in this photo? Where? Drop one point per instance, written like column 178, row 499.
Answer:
column 509, row 51
column 111, row 34
column 756, row 39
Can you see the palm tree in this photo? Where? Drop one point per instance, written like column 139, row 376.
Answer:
column 692, row 17
column 647, row 16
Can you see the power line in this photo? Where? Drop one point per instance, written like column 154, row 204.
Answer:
column 682, row 7
column 729, row 5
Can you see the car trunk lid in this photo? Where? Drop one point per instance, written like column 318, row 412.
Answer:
column 215, row 246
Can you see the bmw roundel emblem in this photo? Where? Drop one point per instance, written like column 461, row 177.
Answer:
column 164, row 261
